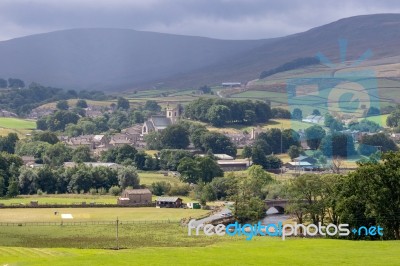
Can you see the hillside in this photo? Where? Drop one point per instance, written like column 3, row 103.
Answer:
column 380, row 33
column 110, row 59
column 117, row 59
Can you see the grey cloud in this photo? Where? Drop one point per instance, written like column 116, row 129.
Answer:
column 226, row 19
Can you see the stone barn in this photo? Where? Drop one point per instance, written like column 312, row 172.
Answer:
column 135, row 196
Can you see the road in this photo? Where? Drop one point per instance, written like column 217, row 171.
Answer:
column 211, row 218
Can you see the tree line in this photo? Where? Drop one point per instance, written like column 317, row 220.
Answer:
column 220, row 112
column 24, row 99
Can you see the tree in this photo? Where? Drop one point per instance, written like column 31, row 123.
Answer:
column 337, row 144
column 152, row 106
column 3, row 83
column 316, row 112
column 81, row 103
column 218, row 115
column 377, row 187
column 137, row 117
column 218, row 143
column 175, row 137
column 57, row 154
column 12, row 190
column 81, row 154
column 15, row 83
column 27, row 181
column 205, row 89
column 154, row 141
column 314, row 135
column 280, row 113
column 294, row 152
column 297, row 114
column 45, row 136
column 160, row 188
column 305, row 193
column 370, row 144
column 246, row 153
column 123, row 103
column 127, row 176
column 189, row 171
column 62, row 105
column 7, row 143
column 208, row 169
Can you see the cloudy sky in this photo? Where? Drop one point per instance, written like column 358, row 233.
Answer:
column 224, row 19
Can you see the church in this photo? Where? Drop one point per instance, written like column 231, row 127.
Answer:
column 160, row 122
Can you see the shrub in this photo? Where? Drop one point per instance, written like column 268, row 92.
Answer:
column 114, row 190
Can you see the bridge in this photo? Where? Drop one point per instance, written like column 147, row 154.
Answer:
column 278, row 204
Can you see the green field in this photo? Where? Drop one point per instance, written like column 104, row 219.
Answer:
column 16, row 123
column 97, row 214
column 147, row 178
column 260, row 251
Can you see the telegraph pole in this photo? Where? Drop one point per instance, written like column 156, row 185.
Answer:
column 117, row 234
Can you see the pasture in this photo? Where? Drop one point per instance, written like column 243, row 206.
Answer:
column 97, row 214
column 259, row 251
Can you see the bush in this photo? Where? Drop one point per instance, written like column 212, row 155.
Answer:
column 93, row 191
column 114, row 190
column 160, row 188
column 180, row 190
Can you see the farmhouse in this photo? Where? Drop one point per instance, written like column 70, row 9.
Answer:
column 160, row 122
column 168, row 202
column 234, row 165
column 135, row 196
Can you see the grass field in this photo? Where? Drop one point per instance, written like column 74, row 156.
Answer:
column 260, row 251
column 16, row 125
column 97, row 214
column 147, row 178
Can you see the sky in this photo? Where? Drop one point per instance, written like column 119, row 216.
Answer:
column 222, row 19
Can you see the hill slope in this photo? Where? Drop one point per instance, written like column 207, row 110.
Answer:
column 111, row 59
column 380, row 33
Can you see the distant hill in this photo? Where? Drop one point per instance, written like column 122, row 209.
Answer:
column 380, row 33
column 116, row 59
column 110, row 59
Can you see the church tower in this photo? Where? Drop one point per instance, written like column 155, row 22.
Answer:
column 172, row 113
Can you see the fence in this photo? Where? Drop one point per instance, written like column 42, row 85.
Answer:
column 74, row 205
column 63, row 223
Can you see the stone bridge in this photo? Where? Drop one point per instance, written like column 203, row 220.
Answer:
column 278, row 204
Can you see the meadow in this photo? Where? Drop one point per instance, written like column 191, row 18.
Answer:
column 259, row 251
column 97, row 214
column 16, row 125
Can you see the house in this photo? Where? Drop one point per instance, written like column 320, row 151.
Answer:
column 135, row 196
column 303, row 158
column 315, row 119
column 168, row 202
column 219, row 156
column 298, row 165
column 231, row 84
column 159, row 122
column 28, row 160
column 240, row 139
column 93, row 164
column 92, row 141
column 5, row 113
column 118, row 140
column 234, row 165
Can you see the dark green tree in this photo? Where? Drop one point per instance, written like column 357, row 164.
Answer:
column 314, row 135
column 297, row 114
column 123, row 103
column 62, row 105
